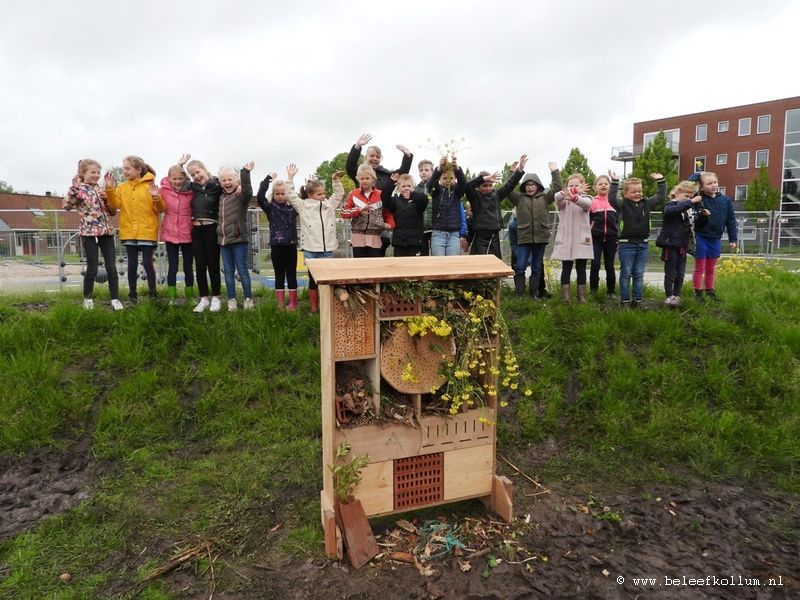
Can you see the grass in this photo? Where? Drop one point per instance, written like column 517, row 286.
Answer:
column 208, row 426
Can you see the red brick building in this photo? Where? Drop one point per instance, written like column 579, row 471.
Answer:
column 732, row 142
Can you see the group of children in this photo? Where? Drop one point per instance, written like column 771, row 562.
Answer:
column 204, row 218
column 595, row 227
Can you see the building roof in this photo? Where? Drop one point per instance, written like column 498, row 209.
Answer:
column 793, row 99
column 33, row 212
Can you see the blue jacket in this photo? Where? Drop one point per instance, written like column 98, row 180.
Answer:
column 447, row 207
column 281, row 216
column 721, row 218
column 676, row 228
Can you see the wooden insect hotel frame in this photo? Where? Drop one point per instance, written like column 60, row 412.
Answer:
column 441, row 459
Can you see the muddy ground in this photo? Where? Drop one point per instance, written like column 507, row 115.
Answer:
column 569, row 540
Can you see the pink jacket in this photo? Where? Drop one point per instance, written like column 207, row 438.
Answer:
column 176, row 227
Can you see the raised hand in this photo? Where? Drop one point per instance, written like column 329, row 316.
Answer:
column 76, row 181
column 337, row 175
column 454, row 161
column 363, row 140
column 108, row 179
column 153, row 189
column 394, row 176
column 613, row 175
column 521, row 163
column 493, row 178
column 656, row 176
column 442, row 162
column 552, row 166
column 249, row 166
column 583, row 188
column 184, row 159
column 403, row 149
column 513, row 166
column 291, row 171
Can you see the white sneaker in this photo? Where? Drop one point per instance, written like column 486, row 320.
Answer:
column 88, row 303
column 248, row 304
column 232, row 305
column 116, row 304
column 202, row 305
column 676, row 301
column 216, row 304
column 669, row 300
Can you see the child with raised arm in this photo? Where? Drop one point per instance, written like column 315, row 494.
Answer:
column 176, row 230
column 532, row 203
column 232, row 232
column 206, row 192
column 408, row 208
column 369, row 218
column 382, row 175
column 715, row 215
column 447, row 186
column 605, row 231
column 674, row 238
column 634, row 248
column 96, row 229
column 317, row 222
column 282, row 219
column 139, row 204
column 487, row 218
column 573, row 243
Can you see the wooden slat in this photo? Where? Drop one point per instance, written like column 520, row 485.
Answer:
column 377, row 270
column 376, row 490
column 468, row 472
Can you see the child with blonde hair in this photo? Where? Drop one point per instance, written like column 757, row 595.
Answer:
column 715, row 215
column 369, row 218
column 674, row 238
column 282, row 219
column 317, row 221
column 408, row 208
column 206, row 192
column 139, row 204
column 96, row 229
column 176, row 230
column 634, row 248
column 232, row 232
column 573, row 243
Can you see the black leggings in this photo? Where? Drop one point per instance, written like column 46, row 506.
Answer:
column 367, row 252
column 105, row 243
column 206, row 258
column 487, row 242
column 580, row 271
column 607, row 249
column 284, row 261
column 172, row 261
column 133, row 268
column 674, row 270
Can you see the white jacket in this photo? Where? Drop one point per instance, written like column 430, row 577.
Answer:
column 574, row 235
column 317, row 218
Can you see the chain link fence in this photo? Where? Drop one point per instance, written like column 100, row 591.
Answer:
column 40, row 250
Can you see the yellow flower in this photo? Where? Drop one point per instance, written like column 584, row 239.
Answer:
column 528, row 391
column 503, row 403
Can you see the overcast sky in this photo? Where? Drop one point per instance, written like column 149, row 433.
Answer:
column 300, row 81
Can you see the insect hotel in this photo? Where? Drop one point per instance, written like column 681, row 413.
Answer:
column 403, row 386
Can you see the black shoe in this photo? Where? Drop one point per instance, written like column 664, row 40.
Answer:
column 698, row 296
column 711, row 295
column 153, row 295
column 545, row 295
column 133, row 298
column 636, row 303
column 610, row 295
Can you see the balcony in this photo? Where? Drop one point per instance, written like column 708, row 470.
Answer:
column 629, row 153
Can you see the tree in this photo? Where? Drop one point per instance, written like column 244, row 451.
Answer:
column 760, row 194
column 327, row 168
column 577, row 163
column 656, row 158
column 6, row 188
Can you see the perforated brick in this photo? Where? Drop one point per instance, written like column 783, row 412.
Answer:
column 418, row 480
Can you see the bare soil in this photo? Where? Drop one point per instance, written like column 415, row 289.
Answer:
column 568, row 541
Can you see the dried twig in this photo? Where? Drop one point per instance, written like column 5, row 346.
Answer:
column 528, row 477
column 176, row 562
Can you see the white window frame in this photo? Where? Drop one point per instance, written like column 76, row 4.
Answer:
column 758, row 124
column 736, row 193
column 722, row 159
column 766, row 157
column 697, row 129
column 722, row 126
column 749, row 121
column 695, row 167
column 721, row 190
column 738, row 156
column 676, row 133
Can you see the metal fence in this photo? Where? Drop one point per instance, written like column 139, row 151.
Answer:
column 41, row 249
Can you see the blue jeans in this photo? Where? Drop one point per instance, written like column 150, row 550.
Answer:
column 235, row 256
column 632, row 261
column 445, row 243
column 312, row 284
column 532, row 254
